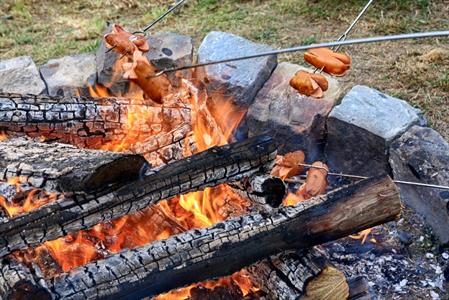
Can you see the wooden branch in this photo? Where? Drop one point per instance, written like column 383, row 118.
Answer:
column 82, row 211
column 93, row 122
column 228, row 246
column 65, row 168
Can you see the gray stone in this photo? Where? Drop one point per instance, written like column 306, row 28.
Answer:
column 239, row 80
column 170, row 50
column 361, row 129
column 166, row 50
column 20, row 75
column 296, row 121
column 422, row 155
column 67, row 75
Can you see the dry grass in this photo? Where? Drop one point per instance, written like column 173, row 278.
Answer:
column 416, row 71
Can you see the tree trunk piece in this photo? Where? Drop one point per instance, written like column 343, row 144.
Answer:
column 65, row 168
column 88, row 122
column 228, row 246
column 82, row 211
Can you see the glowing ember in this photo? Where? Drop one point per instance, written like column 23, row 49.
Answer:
column 25, row 198
column 3, row 136
column 363, row 236
column 212, row 125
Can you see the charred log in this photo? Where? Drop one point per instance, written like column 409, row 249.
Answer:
column 230, row 245
column 264, row 190
column 285, row 275
column 65, row 168
column 19, row 282
column 93, row 122
column 82, row 211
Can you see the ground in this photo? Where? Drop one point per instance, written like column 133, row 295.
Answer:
column 416, row 71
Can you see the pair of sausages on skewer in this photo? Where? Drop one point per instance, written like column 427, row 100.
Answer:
column 312, row 84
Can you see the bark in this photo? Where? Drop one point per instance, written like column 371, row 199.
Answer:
column 228, row 246
column 82, row 211
column 19, row 282
column 264, row 191
column 65, row 168
column 284, row 276
column 91, row 123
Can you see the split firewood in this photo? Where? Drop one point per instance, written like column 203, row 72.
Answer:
column 331, row 62
column 289, row 165
column 331, row 284
column 228, row 246
column 124, row 42
column 140, row 71
column 309, row 84
column 82, row 210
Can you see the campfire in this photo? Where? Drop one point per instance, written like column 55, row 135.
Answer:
column 190, row 184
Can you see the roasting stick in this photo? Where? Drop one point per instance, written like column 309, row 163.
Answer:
column 348, row 30
column 157, row 20
column 365, row 177
column 368, row 40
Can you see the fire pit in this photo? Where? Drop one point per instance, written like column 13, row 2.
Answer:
column 214, row 191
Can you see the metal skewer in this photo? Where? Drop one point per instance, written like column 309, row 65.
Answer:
column 436, row 186
column 368, row 40
column 157, row 20
column 349, row 29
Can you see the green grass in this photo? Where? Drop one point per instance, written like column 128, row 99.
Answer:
column 53, row 28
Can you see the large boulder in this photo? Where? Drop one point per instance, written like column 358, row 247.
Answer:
column 66, row 76
column 238, row 80
column 167, row 50
column 361, row 129
column 20, row 75
column 295, row 121
column 422, row 155
column 171, row 50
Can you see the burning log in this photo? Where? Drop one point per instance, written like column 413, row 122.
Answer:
column 285, row 275
column 20, row 282
column 263, row 190
column 82, row 211
column 230, row 245
column 96, row 123
column 65, row 168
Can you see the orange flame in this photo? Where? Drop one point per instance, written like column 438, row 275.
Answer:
column 25, row 201
column 212, row 125
column 3, row 136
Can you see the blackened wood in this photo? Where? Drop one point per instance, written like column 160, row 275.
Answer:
column 82, row 211
column 263, row 190
column 65, row 168
column 18, row 282
column 284, row 276
column 93, row 122
column 228, row 246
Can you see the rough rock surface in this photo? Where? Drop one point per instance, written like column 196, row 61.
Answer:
column 239, row 80
column 362, row 127
column 422, row 155
column 169, row 50
column 66, row 75
column 20, row 75
column 166, row 50
column 296, row 121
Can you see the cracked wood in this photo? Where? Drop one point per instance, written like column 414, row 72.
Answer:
column 228, row 246
column 82, row 211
